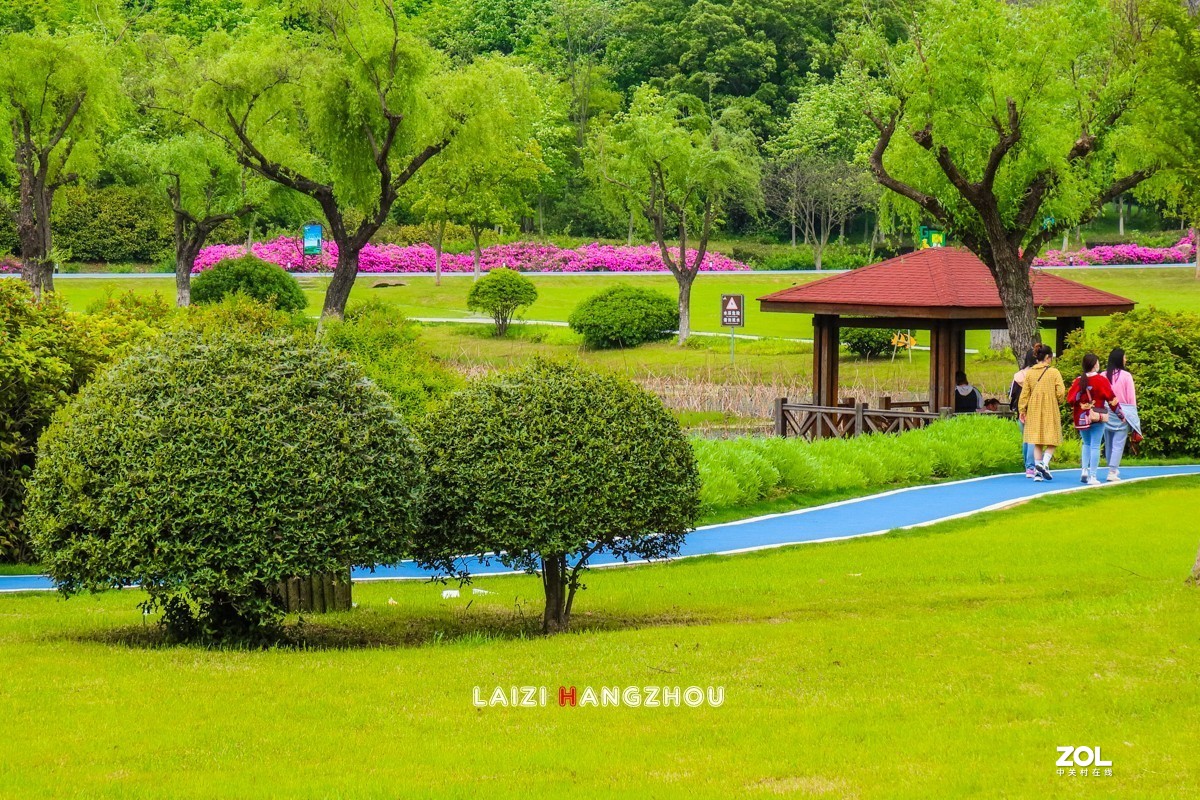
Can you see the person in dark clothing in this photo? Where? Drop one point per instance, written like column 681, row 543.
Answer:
column 967, row 399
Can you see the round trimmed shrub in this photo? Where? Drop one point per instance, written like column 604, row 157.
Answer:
column 208, row 469
column 1162, row 349
column 499, row 294
column 867, row 342
column 542, row 467
column 625, row 316
column 252, row 277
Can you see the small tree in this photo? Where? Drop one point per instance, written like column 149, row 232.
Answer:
column 485, row 176
column 500, row 294
column 666, row 157
column 545, row 467
column 210, row 510
column 57, row 91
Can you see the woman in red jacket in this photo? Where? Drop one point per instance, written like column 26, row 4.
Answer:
column 1091, row 396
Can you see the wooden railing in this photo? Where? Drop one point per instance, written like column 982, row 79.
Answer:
column 853, row 419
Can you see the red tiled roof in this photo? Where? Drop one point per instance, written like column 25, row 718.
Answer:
column 942, row 279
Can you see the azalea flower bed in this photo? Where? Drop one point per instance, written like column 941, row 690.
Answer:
column 9, row 266
column 1181, row 252
column 522, row 256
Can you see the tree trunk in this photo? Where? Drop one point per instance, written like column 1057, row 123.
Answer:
column 1121, row 215
column 33, row 231
column 793, row 233
column 340, row 286
column 629, row 240
column 1016, row 294
column 554, row 582
column 477, row 254
column 437, row 253
column 685, row 305
column 1000, row 339
column 183, row 278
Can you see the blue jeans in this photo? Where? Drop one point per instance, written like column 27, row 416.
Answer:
column 1026, row 450
column 1091, row 436
column 1116, row 433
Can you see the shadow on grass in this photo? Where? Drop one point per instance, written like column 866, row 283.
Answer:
column 370, row 628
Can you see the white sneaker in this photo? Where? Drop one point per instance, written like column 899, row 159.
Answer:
column 1113, row 476
column 1093, row 481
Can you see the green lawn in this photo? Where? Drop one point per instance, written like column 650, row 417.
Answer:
column 944, row 662
column 780, row 365
column 558, row 294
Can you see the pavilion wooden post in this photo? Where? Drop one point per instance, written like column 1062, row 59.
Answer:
column 826, row 335
column 947, row 355
column 1064, row 326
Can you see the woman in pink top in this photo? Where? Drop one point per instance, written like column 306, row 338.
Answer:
column 1117, row 431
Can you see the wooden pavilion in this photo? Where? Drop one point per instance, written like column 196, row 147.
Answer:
column 946, row 291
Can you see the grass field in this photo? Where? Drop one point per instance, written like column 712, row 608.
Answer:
column 782, row 368
column 950, row 661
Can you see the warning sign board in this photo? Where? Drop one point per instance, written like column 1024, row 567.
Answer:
column 733, row 310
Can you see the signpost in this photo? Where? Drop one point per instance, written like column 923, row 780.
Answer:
column 312, row 241
column 932, row 237
column 733, row 315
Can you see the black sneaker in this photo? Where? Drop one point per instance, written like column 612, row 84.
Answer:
column 1045, row 473
column 1084, row 479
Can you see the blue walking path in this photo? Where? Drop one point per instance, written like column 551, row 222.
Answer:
column 864, row 516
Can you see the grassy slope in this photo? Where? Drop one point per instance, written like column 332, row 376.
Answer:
column 944, row 662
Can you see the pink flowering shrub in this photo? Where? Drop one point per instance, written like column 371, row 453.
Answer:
column 1181, row 252
column 9, row 265
column 522, row 256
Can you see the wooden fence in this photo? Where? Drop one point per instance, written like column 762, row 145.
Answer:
column 854, row 418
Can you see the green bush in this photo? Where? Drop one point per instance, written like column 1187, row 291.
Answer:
column 117, row 224
column 1163, row 352
column 208, row 468
column 538, row 466
column 252, row 277
column 742, row 471
column 867, row 342
column 379, row 339
column 46, row 354
column 625, row 316
column 500, row 294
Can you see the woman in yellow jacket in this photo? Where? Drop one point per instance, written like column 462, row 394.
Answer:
column 1041, row 396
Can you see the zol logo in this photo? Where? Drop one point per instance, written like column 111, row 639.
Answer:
column 1069, row 755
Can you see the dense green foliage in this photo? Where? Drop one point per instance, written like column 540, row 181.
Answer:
column 625, row 316
column 542, row 467
column 737, row 472
column 379, row 339
column 501, row 294
column 1162, row 349
column 252, row 277
column 114, row 224
column 285, row 462
column 46, row 354
column 867, row 342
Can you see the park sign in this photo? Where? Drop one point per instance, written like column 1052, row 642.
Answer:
column 733, row 310
column 312, row 239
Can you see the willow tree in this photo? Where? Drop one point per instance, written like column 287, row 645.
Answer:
column 1176, row 75
column 345, row 109
column 1008, row 123
column 667, row 157
column 57, row 91
column 487, row 174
